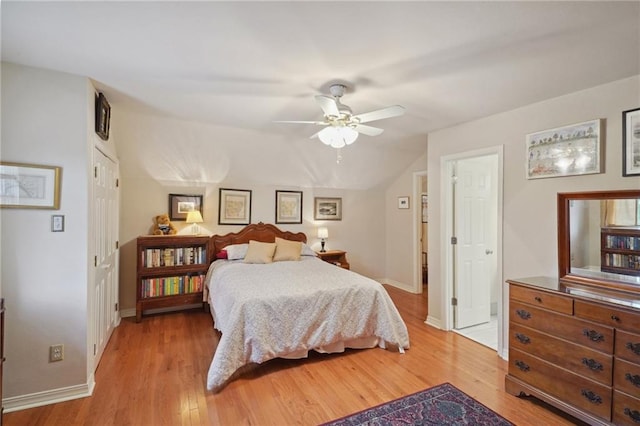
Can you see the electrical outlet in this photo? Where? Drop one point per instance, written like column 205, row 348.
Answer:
column 56, row 353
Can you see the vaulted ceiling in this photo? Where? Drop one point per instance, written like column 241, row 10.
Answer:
column 243, row 65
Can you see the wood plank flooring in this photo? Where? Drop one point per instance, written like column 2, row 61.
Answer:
column 154, row 373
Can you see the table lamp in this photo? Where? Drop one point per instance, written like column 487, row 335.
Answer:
column 323, row 234
column 194, row 218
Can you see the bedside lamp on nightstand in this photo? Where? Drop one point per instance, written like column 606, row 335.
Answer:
column 323, row 234
column 194, row 218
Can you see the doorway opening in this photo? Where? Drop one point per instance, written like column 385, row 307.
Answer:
column 472, row 200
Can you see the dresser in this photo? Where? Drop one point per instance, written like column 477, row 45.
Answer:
column 576, row 348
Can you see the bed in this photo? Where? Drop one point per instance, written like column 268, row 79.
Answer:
column 288, row 306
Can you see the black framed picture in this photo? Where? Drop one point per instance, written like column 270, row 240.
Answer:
column 631, row 142
column 234, row 207
column 181, row 204
column 103, row 116
column 288, row 206
column 327, row 208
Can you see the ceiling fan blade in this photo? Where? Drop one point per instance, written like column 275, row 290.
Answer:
column 388, row 112
column 319, row 123
column 328, row 105
column 367, row 130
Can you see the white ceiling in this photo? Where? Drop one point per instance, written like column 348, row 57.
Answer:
column 245, row 65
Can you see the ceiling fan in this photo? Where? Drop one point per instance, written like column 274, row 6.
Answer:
column 341, row 127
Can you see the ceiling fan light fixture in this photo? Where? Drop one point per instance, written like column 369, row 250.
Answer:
column 338, row 136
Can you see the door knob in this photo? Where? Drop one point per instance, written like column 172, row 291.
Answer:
column 487, row 251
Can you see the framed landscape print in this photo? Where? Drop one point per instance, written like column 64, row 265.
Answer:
column 631, row 142
column 565, row 151
column 181, row 204
column 234, row 207
column 288, row 206
column 327, row 208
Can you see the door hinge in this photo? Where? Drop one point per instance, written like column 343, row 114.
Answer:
column 94, row 348
column 454, row 301
column 117, row 183
column 116, row 307
column 95, row 171
column 454, row 240
column 95, row 260
column 117, row 245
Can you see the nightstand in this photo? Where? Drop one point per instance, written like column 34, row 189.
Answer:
column 337, row 257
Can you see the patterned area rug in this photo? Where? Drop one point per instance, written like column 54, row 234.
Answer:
column 440, row 405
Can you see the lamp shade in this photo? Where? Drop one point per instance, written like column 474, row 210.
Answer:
column 194, row 217
column 323, row 232
column 338, row 136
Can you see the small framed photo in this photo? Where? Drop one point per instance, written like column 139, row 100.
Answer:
column 570, row 150
column 181, row 204
column 288, row 206
column 631, row 142
column 403, row 202
column 103, row 116
column 29, row 186
column 57, row 223
column 425, row 208
column 327, row 208
column 234, row 207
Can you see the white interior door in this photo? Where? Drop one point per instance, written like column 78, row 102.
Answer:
column 475, row 267
column 105, row 221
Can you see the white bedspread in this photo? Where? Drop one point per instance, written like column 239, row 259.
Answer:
column 265, row 311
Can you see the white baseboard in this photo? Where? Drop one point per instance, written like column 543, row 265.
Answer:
column 126, row 313
column 38, row 399
column 433, row 322
column 397, row 284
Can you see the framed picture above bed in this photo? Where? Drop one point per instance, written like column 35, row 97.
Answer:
column 234, row 207
column 288, row 206
column 327, row 208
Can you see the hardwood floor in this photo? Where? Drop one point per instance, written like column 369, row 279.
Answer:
column 154, row 373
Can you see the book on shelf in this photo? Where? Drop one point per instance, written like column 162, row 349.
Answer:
column 169, row 256
column 170, row 286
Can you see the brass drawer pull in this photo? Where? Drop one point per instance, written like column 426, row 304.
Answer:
column 538, row 299
column 634, row 414
column 525, row 315
column 634, row 379
column 615, row 318
column 635, row 347
column 593, row 335
column 592, row 397
column 592, row 364
column 522, row 365
column 523, row 338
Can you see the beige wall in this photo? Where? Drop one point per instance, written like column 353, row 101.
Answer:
column 529, row 227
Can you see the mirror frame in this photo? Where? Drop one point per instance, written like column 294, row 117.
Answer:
column 564, row 255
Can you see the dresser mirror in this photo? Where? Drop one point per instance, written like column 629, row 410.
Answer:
column 599, row 239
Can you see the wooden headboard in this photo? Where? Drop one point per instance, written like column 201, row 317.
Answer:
column 263, row 232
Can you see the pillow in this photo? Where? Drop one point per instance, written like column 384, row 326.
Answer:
column 287, row 250
column 307, row 251
column 260, row 252
column 222, row 254
column 236, row 251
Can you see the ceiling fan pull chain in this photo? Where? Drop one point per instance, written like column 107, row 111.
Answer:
column 338, row 155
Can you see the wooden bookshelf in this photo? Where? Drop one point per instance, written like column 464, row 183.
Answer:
column 620, row 250
column 171, row 271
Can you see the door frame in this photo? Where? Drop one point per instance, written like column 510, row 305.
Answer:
column 446, row 231
column 417, row 231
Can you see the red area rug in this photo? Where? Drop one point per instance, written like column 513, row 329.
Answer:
column 440, row 405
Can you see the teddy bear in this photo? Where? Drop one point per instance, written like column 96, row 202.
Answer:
column 163, row 226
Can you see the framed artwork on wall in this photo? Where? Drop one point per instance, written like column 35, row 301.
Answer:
column 566, row 151
column 288, row 206
column 631, row 142
column 29, row 186
column 181, row 204
column 425, row 208
column 327, row 208
column 234, row 207
column 103, row 116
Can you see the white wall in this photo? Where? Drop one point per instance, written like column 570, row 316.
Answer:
column 146, row 185
column 44, row 274
column 529, row 228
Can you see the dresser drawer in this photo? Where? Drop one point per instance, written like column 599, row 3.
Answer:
column 626, row 377
column 575, row 330
column 542, row 299
column 608, row 315
column 586, row 362
column 569, row 387
column 626, row 409
column 628, row 346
